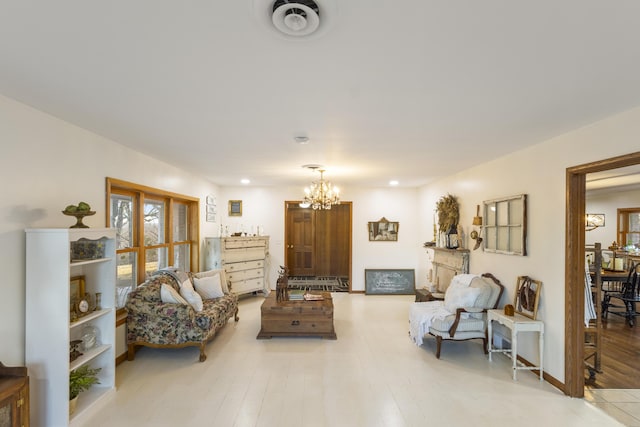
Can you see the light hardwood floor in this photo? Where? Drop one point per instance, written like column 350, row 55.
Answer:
column 372, row 375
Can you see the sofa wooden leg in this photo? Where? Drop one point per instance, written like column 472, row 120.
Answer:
column 438, row 345
column 236, row 318
column 203, row 354
column 131, row 352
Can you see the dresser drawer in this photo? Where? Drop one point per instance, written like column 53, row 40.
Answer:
column 249, row 285
column 247, row 254
column 245, row 265
column 236, row 276
column 244, row 243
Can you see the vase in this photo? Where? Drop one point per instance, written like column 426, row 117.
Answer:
column 72, row 405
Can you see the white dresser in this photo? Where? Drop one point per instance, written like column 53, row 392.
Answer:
column 243, row 260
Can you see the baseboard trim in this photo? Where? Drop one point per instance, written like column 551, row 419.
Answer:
column 548, row 378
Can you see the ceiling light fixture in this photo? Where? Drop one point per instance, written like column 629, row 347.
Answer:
column 393, row 182
column 301, row 139
column 320, row 194
column 296, row 17
column 245, row 181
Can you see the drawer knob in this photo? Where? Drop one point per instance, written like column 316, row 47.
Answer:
column 295, row 322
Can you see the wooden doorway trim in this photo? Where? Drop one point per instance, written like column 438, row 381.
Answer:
column 574, row 267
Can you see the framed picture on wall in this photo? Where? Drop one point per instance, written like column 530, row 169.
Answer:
column 383, row 230
column 235, row 207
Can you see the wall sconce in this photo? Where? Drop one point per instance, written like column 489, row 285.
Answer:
column 594, row 221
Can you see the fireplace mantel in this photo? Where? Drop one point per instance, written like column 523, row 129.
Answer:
column 446, row 264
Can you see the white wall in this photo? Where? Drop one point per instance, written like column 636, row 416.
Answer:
column 265, row 207
column 608, row 203
column 47, row 164
column 539, row 172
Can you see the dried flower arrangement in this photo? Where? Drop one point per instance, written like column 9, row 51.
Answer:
column 448, row 214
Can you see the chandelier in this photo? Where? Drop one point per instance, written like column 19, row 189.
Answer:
column 320, row 194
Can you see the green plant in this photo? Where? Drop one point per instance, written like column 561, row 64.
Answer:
column 82, row 379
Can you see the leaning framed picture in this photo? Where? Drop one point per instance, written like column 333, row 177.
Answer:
column 76, row 289
column 527, row 296
column 386, row 281
column 235, row 207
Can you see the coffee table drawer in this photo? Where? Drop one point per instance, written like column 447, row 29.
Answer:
column 300, row 325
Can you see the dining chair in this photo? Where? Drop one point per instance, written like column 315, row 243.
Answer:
column 629, row 296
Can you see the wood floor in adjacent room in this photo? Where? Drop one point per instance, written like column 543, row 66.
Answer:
column 372, row 375
column 620, row 355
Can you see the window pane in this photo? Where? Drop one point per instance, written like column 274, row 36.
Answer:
column 491, row 238
column 491, row 214
column 154, row 217
column 634, row 222
column 503, row 239
column 180, row 212
column 502, row 213
column 155, row 259
column 181, row 257
column 515, row 211
column 515, row 239
column 122, row 220
column 126, row 271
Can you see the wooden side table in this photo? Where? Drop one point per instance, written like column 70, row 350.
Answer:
column 424, row 295
column 516, row 323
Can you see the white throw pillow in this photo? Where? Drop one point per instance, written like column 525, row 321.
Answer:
column 209, row 287
column 457, row 297
column 190, row 294
column 170, row 295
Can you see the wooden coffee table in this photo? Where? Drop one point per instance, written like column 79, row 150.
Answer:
column 297, row 318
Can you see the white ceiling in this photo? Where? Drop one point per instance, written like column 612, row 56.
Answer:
column 397, row 89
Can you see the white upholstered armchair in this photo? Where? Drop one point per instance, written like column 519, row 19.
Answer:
column 463, row 313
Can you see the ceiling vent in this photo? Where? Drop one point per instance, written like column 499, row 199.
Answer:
column 296, row 17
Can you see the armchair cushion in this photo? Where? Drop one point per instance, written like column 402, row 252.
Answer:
column 468, row 324
column 459, row 297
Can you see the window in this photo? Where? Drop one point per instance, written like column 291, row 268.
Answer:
column 629, row 227
column 505, row 224
column 154, row 229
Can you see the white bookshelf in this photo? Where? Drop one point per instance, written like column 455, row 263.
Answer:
column 48, row 325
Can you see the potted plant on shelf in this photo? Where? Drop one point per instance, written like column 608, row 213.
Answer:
column 81, row 379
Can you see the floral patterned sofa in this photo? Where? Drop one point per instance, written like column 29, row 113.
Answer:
column 154, row 323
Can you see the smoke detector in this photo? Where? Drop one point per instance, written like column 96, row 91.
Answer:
column 296, row 17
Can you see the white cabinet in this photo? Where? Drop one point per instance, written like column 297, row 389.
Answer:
column 243, row 260
column 48, row 326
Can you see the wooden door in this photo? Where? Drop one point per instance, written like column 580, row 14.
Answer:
column 300, row 241
column 318, row 243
